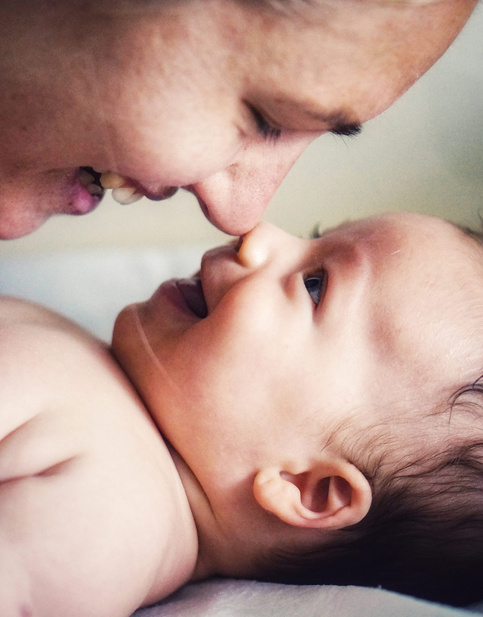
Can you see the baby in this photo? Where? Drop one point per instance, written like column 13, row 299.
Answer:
column 304, row 410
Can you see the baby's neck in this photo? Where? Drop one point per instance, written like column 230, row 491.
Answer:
column 201, row 511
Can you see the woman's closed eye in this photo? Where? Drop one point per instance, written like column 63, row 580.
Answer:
column 316, row 284
column 265, row 128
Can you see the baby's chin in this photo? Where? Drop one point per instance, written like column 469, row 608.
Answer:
column 131, row 350
column 122, row 343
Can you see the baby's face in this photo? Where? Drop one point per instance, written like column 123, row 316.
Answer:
column 290, row 337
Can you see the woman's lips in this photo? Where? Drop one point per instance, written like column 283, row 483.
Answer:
column 127, row 190
column 164, row 192
column 86, row 192
column 89, row 179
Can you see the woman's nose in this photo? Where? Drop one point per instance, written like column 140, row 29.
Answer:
column 235, row 198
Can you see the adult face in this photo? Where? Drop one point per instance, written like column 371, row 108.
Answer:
column 217, row 97
column 372, row 322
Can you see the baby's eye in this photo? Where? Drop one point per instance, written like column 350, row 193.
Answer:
column 316, row 285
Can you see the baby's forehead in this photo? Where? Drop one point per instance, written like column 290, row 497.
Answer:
column 427, row 297
column 421, row 231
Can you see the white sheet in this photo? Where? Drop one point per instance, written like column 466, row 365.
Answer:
column 91, row 288
column 250, row 599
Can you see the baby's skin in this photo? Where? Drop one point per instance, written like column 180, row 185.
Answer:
column 381, row 318
column 91, row 504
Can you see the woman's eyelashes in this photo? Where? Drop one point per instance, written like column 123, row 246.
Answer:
column 316, row 284
column 267, row 130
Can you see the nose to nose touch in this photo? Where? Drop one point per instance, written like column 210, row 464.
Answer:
column 254, row 247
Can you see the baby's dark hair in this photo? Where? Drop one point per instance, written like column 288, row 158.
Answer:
column 423, row 535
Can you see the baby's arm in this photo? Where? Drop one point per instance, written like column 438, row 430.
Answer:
column 42, row 550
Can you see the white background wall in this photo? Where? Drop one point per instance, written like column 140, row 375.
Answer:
column 424, row 154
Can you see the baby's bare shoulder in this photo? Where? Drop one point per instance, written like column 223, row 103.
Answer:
column 15, row 311
column 38, row 351
column 84, row 475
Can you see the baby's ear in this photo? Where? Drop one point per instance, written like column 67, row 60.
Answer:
column 331, row 494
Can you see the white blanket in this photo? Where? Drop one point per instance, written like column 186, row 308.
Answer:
column 91, row 288
column 249, row 599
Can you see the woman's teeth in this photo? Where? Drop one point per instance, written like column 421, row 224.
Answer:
column 126, row 195
column 122, row 192
column 87, row 180
column 110, row 180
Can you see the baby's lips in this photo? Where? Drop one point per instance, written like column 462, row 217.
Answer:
column 192, row 291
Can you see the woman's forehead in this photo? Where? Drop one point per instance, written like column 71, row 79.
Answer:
column 352, row 55
column 303, row 31
column 349, row 61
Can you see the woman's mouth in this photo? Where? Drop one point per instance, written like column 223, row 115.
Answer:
column 90, row 180
column 124, row 190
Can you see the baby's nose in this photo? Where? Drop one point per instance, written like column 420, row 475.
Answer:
column 255, row 246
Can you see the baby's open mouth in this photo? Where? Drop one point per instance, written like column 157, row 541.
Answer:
column 192, row 292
